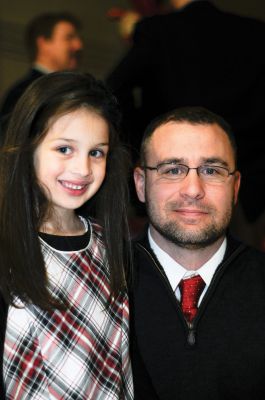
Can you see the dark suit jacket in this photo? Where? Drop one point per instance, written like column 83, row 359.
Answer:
column 17, row 90
column 12, row 97
column 201, row 56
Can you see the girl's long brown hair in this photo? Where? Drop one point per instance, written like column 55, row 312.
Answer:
column 22, row 202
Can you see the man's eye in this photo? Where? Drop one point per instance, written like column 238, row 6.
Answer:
column 173, row 171
column 64, row 150
column 210, row 171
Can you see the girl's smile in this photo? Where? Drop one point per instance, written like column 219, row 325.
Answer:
column 70, row 162
column 74, row 189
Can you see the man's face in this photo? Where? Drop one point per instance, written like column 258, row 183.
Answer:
column 62, row 49
column 191, row 213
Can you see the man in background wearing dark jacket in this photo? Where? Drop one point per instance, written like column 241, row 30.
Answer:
column 53, row 44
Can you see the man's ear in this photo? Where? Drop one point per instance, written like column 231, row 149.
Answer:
column 236, row 185
column 139, row 180
column 42, row 42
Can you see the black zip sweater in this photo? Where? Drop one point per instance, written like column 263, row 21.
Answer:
column 221, row 356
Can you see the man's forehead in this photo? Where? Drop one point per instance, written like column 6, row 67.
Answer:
column 63, row 26
column 184, row 140
column 185, row 131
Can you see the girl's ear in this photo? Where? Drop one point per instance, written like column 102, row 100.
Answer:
column 139, row 180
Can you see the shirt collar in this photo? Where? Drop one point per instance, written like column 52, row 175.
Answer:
column 41, row 68
column 175, row 272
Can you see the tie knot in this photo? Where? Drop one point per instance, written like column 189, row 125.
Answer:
column 190, row 290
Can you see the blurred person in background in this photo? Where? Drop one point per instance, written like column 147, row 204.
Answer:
column 54, row 44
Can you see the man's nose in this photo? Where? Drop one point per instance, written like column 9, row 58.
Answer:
column 77, row 43
column 192, row 185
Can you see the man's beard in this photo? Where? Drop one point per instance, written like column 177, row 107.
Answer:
column 187, row 237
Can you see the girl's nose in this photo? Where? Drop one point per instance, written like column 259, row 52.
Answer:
column 82, row 166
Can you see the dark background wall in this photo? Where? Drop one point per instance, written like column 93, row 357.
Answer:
column 251, row 8
column 103, row 45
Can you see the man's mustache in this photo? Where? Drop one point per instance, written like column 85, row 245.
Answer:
column 192, row 203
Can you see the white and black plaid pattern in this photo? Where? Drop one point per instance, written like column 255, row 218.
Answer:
column 79, row 354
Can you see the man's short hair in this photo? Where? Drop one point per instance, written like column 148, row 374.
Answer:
column 43, row 25
column 192, row 115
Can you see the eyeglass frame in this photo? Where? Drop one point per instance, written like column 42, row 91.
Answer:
column 146, row 167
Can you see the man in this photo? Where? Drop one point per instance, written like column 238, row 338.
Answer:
column 183, row 347
column 53, row 44
column 200, row 55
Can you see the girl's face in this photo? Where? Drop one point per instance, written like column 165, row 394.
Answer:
column 70, row 162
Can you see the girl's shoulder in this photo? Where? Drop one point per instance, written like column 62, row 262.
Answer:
column 93, row 225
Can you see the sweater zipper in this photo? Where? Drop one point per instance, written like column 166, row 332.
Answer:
column 191, row 326
column 157, row 267
column 188, row 325
column 191, row 338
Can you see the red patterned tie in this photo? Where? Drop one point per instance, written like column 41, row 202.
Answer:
column 190, row 290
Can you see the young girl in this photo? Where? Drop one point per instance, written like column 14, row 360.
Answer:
column 67, row 325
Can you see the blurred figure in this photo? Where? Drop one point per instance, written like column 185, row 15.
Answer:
column 126, row 21
column 127, row 18
column 200, row 55
column 53, row 44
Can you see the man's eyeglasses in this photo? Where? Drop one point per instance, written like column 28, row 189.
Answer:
column 177, row 172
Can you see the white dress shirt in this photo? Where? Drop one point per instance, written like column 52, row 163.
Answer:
column 41, row 68
column 175, row 272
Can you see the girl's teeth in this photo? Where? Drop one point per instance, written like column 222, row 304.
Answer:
column 72, row 186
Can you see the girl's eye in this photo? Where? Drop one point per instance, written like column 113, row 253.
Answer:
column 97, row 153
column 64, row 150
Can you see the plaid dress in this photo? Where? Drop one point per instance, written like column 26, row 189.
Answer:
column 81, row 353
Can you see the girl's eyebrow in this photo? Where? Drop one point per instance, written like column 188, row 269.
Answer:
column 103, row 144
column 76, row 141
column 63, row 138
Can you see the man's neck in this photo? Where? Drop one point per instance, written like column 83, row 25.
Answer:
column 42, row 68
column 45, row 64
column 189, row 258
